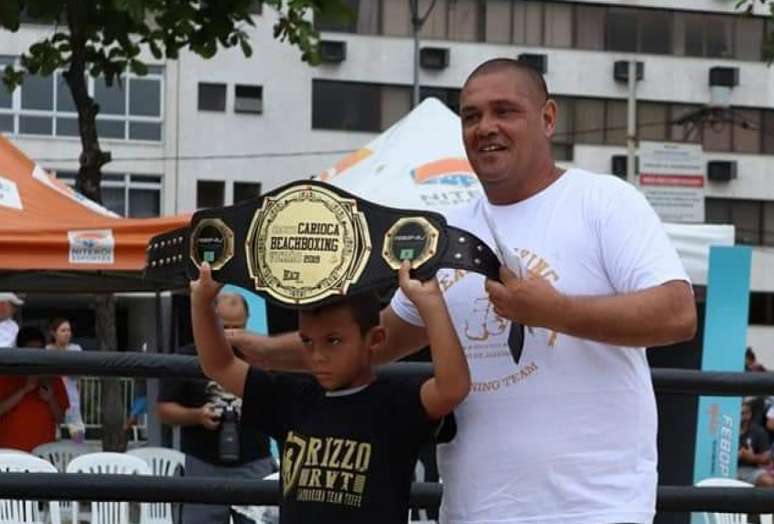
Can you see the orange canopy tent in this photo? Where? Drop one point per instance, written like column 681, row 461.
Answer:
column 54, row 239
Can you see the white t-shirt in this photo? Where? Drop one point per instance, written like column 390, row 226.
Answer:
column 73, row 413
column 569, row 433
column 8, row 331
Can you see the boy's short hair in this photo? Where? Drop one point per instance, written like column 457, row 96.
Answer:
column 365, row 309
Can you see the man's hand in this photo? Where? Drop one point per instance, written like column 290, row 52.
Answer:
column 45, row 391
column 204, row 289
column 209, row 417
column 532, row 301
column 30, row 384
column 422, row 294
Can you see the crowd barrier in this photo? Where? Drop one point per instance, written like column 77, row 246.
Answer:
column 49, row 486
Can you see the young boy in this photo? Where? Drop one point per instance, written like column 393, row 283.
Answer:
column 351, row 439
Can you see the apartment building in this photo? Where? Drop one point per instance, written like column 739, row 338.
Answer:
column 196, row 133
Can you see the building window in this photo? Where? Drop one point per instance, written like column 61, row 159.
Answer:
column 761, row 308
column 497, row 22
column 746, row 130
column 347, row 106
column 246, row 191
column 590, row 27
column 130, row 109
column 589, row 119
column 652, row 120
column 622, row 29
column 212, row 97
column 209, row 193
column 562, row 24
column 129, row 195
column 753, row 220
column 364, row 18
column 557, row 25
column 353, row 106
column 248, row 99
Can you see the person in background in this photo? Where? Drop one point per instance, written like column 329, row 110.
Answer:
column 61, row 334
column 30, row 407
column 8, row 326
column 754, row 454
column 751, row 361
column 205, row 411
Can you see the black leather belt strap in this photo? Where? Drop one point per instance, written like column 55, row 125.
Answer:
column 307, row 243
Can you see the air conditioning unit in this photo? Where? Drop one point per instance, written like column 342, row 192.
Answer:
column 434, row 57
column 621, row 70
column 536, row 61
column 333, row 51
column 724, row 76
column 619, row 163
column 721, row 170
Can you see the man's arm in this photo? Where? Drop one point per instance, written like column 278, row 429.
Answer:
column 285, row 352
column 656, row 316
column 10, row 402
column 216, row 357
column 451, row 377
column 176, row 414
column 278, row 352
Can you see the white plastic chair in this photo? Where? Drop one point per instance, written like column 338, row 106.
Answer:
column 61, row 452
column 728, row 518
column 108, row 463
column 163, row 462
column 26, row 511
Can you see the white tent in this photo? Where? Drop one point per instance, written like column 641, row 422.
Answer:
column 420, row 163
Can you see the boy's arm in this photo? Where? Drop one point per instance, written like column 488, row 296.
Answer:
column 216, row 357
column 451, row 381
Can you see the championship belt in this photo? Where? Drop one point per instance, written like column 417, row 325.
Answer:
column 307, row 243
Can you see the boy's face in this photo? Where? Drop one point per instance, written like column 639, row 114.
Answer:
column 339, row 356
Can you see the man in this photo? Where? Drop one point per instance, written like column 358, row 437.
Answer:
column 8, row 326
column 198, row 406
column 754, row 454
column 566, row 432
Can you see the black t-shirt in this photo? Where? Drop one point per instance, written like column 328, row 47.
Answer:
column 199, row 441
column 347, row 458
column 754, row 438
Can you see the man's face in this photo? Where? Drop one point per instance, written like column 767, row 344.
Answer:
column 6, row 310
column 506, row 127
column 231, row 311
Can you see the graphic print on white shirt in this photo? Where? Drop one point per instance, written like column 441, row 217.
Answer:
column 569, row 433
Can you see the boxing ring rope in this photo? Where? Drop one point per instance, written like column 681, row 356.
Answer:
column 153, row 365
column 203, row 490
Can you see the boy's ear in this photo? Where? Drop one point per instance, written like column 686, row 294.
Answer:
column 376, row 337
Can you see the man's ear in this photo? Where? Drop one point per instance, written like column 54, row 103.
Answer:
column 550, row 115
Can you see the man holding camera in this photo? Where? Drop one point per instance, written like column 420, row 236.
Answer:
column 210, row 434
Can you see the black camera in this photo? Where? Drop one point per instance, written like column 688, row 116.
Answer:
column 228, row 437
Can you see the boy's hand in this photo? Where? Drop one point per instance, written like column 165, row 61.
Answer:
column 204, row 289
column 420, row 293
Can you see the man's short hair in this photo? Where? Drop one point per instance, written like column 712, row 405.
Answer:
column 365, row 309
column 496, row 65
column 29, row 334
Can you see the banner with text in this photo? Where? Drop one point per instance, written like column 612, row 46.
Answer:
column 672, row 179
